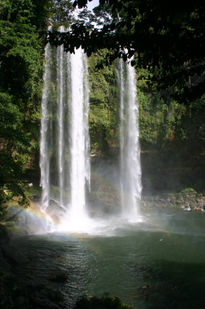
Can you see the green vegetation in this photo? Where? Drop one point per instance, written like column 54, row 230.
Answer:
column 172, row 129
column 172, row 139
column 168, row 39
column 21, row 58
column 103, row 106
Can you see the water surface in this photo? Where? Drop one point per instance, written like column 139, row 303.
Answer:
column 157, row 263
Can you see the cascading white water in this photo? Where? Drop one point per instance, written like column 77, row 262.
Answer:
column 64, row 153
column 65, row 142
column 130, row 168
column 122, row 129
column 60, row 102
column 44, row 152
column 79, row 133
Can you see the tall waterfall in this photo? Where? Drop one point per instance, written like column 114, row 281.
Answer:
column 130, row 168
column 44, row 152
column 79, row 134
column 64, row 144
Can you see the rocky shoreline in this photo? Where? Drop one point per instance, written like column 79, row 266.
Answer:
column 15, row 294
column 187, row 200
column 20, row 221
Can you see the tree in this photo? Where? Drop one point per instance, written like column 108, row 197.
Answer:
column 21, row 70
column 60, row 12
column 167, row 38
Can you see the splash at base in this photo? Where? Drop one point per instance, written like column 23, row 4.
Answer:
column 130, row 167
column 65, row 144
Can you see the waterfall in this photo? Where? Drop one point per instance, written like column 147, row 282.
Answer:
column 79, row 133
column 130, row 168
column 60, row 101
column 44, row 152
column 65, row 143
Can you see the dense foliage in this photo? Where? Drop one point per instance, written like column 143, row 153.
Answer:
column 168, row 43
column 168, row 38
column 103, row 106
column 22, row 24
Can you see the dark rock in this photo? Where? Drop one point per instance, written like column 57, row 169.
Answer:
column 59, row 277
column 187, row 200
column 104, row 302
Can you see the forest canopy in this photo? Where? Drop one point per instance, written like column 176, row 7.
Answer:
column 166, row 37
column 21, row 65
column 167, row 42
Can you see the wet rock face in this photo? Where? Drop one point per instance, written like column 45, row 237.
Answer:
column 104, row 302
column 188, row 200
